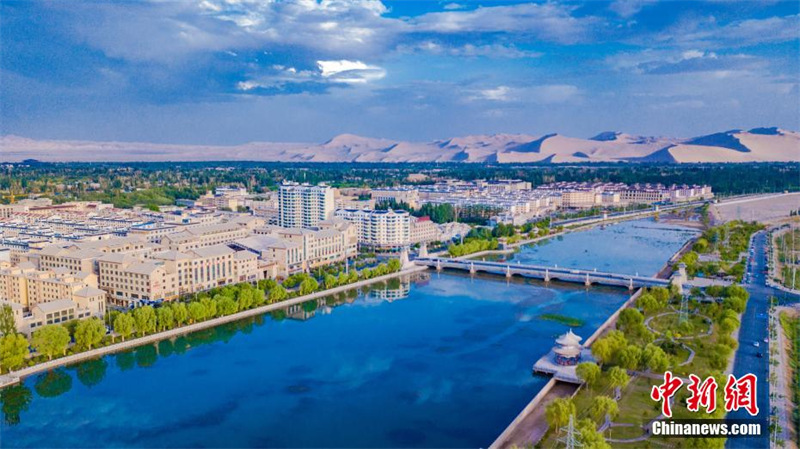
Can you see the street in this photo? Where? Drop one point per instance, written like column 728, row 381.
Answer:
column 755, row 329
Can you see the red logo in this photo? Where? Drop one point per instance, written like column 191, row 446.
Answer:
column 704, row 394
column 741, row 393
column 665, row 391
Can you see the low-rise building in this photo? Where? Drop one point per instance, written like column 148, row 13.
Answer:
column 423, row 230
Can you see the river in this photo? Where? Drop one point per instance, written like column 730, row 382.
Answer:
column 443, row 360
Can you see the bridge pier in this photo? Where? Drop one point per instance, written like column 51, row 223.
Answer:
column 438, row 265
column 630, row 284
column 587, row 282
column 472, row 268
column 546, row 275
column 508, row 271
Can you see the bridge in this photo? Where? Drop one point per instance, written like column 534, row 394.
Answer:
column 546, row 274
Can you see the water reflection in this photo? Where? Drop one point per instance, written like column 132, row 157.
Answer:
column 53, row 383
column 15, row 399
column 91, row 372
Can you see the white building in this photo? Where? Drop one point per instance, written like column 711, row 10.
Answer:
column 304, row 205
column 380, row 229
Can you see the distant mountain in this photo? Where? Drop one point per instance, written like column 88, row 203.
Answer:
column 755, row 145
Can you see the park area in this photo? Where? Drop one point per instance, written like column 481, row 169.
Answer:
column 663, row 331
column 787, row 261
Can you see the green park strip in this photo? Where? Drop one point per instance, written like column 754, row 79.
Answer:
column 145, row 325
column 787, row 249
column 613, row 406
column 791, row 329
column 720, row 250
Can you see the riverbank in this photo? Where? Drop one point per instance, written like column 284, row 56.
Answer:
column 17, row 376
column 530, row 425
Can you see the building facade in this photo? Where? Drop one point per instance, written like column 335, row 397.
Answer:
column 304, row 205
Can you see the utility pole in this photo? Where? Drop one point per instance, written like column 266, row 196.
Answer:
column 571, row 437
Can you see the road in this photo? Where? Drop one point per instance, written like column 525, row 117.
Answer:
column 755, row 328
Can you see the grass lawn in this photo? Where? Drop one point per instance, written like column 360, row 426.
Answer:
column 624, row 433
column 664, row 323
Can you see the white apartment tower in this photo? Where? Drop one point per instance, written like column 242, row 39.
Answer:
column 304, row 205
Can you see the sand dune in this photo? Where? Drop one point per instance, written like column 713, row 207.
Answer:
column 756, row 145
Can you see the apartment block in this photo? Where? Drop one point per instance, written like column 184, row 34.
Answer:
column 304, row 205
column 379, row 229
column 423, row 230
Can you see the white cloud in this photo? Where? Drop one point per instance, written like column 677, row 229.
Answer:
column 541, row 94
column 499, row 93
column 548, row 21
column 628, row 8
column 453, row 6
column 709, row 32
column 350, row 72
column 499, row 51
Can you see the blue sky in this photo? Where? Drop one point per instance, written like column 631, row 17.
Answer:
column 233, row 71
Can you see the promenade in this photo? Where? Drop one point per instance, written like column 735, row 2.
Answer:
column 17, row 376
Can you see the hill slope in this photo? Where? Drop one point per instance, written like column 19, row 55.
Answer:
column 756, row 145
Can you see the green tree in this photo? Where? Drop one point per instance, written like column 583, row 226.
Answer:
column 628, row 319
column 606, row 349
column 51, row 340
column 308, row 286
column 277, row 294
column 648, row 303
column 145, row 318
column 618, row 377
column 267, row 284
column 558, row 412
column 197, row 312
column 180, row 313
column 227, row 306
column 210, row 307
column 8, row 325
column 124, row 325
column 89, row 333
column 165, row 317
column 13, row 350
column 720, row 353
column 394, row 265
column 630, row 357
column 589, row 437
column 245, row 298
column 329, row 282
column 655, row 359
column 588, row 372
column 602, row 406
column 258, row 298
column 603, row 351
column 661, row 295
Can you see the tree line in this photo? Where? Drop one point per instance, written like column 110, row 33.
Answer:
column 57, row 340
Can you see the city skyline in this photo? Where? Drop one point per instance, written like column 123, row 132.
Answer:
column 216, row 72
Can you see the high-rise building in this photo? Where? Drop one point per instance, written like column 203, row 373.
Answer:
column 304, row 205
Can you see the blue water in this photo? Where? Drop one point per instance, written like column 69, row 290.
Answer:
column 632, row 247
column 447, row 366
